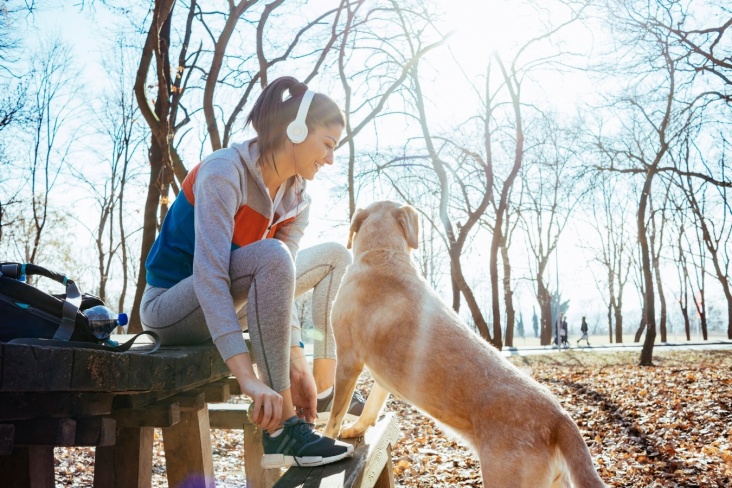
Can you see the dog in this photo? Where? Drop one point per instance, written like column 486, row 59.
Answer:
column 386, row 318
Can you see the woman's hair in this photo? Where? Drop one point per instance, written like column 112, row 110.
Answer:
column 271, row 115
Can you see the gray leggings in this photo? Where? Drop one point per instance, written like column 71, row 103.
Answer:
column 175, row 314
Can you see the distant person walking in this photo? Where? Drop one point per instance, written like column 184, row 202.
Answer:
column 584, row 330
column 565, row 332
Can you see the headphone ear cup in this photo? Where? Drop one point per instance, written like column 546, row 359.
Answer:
column 297, row 131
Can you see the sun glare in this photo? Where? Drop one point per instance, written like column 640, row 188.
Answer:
column 481, row 27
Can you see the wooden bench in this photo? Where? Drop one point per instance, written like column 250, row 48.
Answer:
column 371, row 465
column 81, row 397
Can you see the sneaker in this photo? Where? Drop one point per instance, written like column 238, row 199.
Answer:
column 354, row 409
column 299, row 445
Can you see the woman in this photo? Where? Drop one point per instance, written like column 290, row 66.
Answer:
column 225, row 260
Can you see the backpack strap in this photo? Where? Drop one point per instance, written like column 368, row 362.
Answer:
column 68, row 313
column 124, row 347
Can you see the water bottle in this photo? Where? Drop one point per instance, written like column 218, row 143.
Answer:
column 102, row 321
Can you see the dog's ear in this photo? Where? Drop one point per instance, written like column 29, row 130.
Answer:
column 408, row 218
column 356, row 221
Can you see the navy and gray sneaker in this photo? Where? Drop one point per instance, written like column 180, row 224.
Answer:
column 299, row 445
column 354, row 409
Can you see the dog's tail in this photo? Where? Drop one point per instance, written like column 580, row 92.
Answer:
column 577, row 455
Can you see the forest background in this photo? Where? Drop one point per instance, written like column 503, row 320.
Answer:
column 565, row 156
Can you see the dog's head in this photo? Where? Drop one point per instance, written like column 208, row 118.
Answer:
column 384, row 225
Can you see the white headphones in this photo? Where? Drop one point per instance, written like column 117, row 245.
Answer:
column 297, row 131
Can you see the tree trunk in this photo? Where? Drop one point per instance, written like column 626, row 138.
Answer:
column 684, row 304
column 661, row 296
column 545, row 306
column 702, row 308
column 498, row 238
column 459, row 279
column 159, row 155
column 610, row 322
column 508, row 296
column 455, row 295
column 149, row 230
column 619, row 323
column 641, row 328
column 649, row 306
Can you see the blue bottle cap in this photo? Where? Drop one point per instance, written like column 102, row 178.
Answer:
column 122, row 319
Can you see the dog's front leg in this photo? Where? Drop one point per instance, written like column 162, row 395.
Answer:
column 374, row 404
column 347, row 374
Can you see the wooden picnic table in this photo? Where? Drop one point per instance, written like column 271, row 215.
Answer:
column 51, row 396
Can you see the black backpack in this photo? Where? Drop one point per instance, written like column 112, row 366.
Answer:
column 31, row 316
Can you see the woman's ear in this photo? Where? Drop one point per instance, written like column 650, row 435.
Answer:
column 408, row 218
column 358, row 218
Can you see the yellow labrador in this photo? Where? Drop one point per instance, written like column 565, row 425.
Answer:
column 387, row 318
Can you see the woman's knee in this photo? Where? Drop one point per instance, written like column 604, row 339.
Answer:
column 339, row 256
column 268, row 256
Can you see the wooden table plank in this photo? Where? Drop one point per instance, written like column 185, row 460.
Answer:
column 19, row 406
column 92, row 371
column 58, row 396
column 32, row 368
column 52, row 369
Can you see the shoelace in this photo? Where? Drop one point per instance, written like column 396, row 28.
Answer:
column 304, row 430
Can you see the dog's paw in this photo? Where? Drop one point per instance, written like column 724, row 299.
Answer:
column 354, row 430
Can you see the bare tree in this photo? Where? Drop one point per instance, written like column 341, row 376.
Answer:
column 682, row 267
column 715, row 234
column 656, row 239
column 51, row 106
column 160, row 111
column 392, row 36
column 554, row 188
column 654, row 118
column 511, row 223
column 609, row 212
column 705, row 43
column 118, row 137
column 13, row 89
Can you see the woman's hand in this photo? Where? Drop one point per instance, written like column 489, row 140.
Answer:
column 266, row 409
column 302, row 386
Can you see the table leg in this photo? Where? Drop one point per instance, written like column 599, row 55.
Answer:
column 127, row 464
column 256, row 475
column 188, row 453
column 386, row 478
column 28, row 467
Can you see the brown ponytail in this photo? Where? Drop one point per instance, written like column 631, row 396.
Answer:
column 271, row 115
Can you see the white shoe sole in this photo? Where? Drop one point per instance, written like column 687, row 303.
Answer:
column 271, row 461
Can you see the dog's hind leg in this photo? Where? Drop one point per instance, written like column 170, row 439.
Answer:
column 374, row 404
column 504, row 467
column 347, row 373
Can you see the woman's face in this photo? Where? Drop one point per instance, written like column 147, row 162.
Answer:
column 316, row 150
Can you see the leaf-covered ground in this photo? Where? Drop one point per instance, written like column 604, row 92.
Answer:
column 665, row 426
